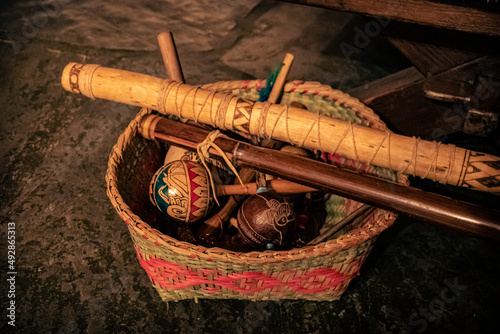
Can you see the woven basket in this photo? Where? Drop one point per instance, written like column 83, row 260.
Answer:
column 180, row 270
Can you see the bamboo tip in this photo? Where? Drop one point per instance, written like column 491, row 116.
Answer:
column 77, row 78
column 170, row 57
column 165, row 35
column 146, row 126
column 288, row 58
column 66, row 79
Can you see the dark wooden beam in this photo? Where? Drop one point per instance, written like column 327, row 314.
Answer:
column 386, row 85
column 464, row 16
column 432, row 50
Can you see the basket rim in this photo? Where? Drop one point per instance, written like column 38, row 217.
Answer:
column 384, row 219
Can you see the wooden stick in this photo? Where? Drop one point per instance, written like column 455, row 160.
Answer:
column 366, row 189
column 174, row 72
column 439, row 162
column 280, row 79
column 170, row 56
column 278, row 185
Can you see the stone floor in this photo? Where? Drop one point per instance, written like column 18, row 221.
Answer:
column 75, row 263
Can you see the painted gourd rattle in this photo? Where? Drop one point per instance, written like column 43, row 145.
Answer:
column 180, row 190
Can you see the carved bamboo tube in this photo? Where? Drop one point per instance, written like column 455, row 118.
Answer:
column 440, row 162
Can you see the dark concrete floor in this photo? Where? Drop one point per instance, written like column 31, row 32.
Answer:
column 75, row 263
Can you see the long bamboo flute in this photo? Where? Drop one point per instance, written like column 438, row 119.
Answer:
column 440, row 162
column 377, row 192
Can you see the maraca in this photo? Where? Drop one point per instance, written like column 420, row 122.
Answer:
column 267, row 221
column 181, row 191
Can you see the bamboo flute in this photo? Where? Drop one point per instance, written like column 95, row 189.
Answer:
column 439, row 162
column 377, row 192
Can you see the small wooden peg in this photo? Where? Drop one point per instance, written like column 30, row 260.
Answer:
column 170, row 56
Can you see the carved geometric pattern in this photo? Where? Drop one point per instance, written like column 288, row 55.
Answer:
column 241, row 120
column 492, row 164
column 74, row 75
column 482, row 172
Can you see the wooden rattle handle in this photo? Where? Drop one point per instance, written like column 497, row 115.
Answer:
column 431, row 160
column 278, row 185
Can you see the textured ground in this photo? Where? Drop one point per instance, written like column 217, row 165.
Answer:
column 76, row 267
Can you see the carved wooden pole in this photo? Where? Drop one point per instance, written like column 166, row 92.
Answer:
column 440, row 162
